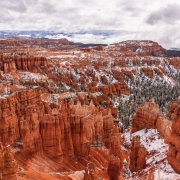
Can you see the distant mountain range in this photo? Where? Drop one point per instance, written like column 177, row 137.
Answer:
column 175, row 49
column 53, row 34
column 18, row 34
column 8, row 34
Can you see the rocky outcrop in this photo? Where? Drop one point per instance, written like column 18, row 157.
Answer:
column 5, row 43
column 174, row 146
column 145, row 117
column 78, row 128
column 173, row 106
column 143, row 48
column 91, row 173
column 31, row 110
column 149, row 117
column 56, row 136
column 9, row 130
column 86, row 127
column 8, row 166
column 175, row 62
column 26, row 63
column 148, row 72
column 20, row 116
column 164, row 125
column 90, row 49
column 117, row 88
column 115, row 155
column 138, row 155
column 57, row 130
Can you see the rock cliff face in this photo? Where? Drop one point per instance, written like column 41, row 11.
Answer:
column 115, row 158
column 144, row 48
column 117, row 88
column 59, row 112
column 90, row 173
column 86, row 127
column 90, row 49
column 148, row 72
column 149, row 117
column 175, row 62
column 20, row 118
column 138, row 155
column 9, row 131
column 174, row 147
column 57, row 130
column 26, row 63
column 8, row 166
column 145, row 117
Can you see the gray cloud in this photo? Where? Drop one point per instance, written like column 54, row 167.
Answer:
column 169, row 14
column 17, row 6
column 136, row 16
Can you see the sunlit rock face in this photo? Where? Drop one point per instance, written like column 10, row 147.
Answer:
column 138, row 155
column 8, row 166
column 25, row 63
column 60, row 115
column 174, row 147
column 38, row 128
column 145, row 117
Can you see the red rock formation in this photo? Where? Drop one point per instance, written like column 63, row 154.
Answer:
column 175, row 62
column 5, row 42
column 174, row 146
column 56, row 136
column 143, row 48
column 163, row 125
column 86, row 124
column 148, row 72
column 26, row 63
column 96, row 48
column 91, row 173
column 8, row 166
column 66, row 131
column 138, row 155
column 115, row 158
column 9, row 122
column 145, row 117
column 56, row 131
column 148, row 117
column 128, row 73
column 29, row 116
column 173, row 106
column 117, row 88
column 159, row 72
column 104, row 79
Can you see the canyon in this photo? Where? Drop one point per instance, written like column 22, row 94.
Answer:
column 74, row 113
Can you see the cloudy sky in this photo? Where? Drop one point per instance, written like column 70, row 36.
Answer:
column 122, row 19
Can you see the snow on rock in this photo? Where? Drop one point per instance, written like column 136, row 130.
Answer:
column 157, row 155
column 78, row 175
column 67, row 95
column 66, row 86
column 161, row 175
column 30, row 76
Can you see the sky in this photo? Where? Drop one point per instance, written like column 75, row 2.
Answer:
column 122, row 19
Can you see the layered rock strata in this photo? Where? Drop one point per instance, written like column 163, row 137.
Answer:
column 8, row 166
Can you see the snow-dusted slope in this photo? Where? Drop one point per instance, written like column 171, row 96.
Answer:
column 157, row 167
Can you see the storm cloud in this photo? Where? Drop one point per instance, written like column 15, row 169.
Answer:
column 169, row 14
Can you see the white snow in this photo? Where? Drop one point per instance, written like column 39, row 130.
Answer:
column 161, row 175
column 30, row 76
column 157, row 154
